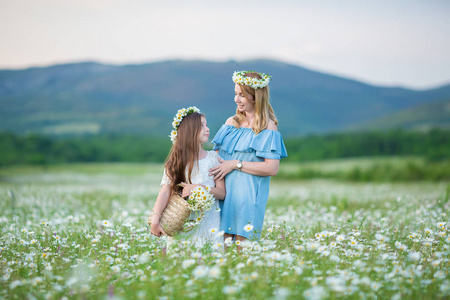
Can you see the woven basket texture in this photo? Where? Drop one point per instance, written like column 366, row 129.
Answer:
column 174, row 215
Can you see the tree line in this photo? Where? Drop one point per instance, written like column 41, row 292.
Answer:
column 40, row 149
column 433, row 144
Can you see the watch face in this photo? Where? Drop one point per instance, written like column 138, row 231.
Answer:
column 239, row 165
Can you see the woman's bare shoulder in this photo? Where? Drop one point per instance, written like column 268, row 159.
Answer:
column 272, row 125
column 229, row 121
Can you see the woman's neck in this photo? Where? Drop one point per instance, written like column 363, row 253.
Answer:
column 250, row 116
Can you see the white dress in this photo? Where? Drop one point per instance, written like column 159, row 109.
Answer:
column 207, row 230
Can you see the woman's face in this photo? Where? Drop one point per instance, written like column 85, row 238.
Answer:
column 204, row 132
column 243, row 104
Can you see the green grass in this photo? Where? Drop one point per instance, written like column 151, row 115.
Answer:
column 53, row 243
column 380, row 169
column 84, row 168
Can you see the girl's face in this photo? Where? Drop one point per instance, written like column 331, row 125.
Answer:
column 204, row 132
column 243, row 104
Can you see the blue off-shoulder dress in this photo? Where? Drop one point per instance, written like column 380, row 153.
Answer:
column 247, row 195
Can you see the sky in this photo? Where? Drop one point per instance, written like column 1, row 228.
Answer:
column 390, row 43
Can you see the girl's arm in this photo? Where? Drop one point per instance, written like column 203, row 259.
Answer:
column 160, row 205
column 268, row 167
column 218, row 191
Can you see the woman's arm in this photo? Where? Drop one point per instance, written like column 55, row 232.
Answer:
column 160, row 205
column 268, row 167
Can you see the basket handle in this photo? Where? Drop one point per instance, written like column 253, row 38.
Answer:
column 178, row 189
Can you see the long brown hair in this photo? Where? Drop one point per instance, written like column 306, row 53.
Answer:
column 263, row 109
column 185, row 150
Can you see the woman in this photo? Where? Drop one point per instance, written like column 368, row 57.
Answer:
column 251, row 148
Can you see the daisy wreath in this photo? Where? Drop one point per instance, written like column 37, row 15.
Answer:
column 255, row 83
column 178, row 118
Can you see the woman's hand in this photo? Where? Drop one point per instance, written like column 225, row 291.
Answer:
column 225, row 167
column 187, row 189
column 157, row 229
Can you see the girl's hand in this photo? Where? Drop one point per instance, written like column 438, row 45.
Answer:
column 157, row 229
column 187, row 189
column 225, row 167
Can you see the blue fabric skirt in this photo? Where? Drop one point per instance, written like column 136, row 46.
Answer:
column 246, row 194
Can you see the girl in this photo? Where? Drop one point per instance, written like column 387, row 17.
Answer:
column 188, row 163
column 252, row 148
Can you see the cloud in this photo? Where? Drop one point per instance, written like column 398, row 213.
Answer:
column 355, row 39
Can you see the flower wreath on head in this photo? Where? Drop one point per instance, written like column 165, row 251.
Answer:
column 255, row 83
column 178, row 118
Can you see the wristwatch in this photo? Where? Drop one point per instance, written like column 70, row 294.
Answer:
column 239, row 165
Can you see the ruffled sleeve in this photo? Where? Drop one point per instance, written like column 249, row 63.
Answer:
column 215, row 158
column 267, row 144
column 220, row 136
column 165, row 179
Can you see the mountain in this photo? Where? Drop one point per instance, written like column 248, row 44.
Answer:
column 421, row 117
column 142, row 99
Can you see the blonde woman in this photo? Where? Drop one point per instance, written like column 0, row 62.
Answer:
column 251, row 147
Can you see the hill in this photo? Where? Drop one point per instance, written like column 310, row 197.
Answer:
column 420, row 117
column 142, row 99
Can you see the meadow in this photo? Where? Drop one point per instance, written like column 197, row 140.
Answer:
column 80, row 231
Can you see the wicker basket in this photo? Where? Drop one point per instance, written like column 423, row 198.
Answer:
column 174, row 215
